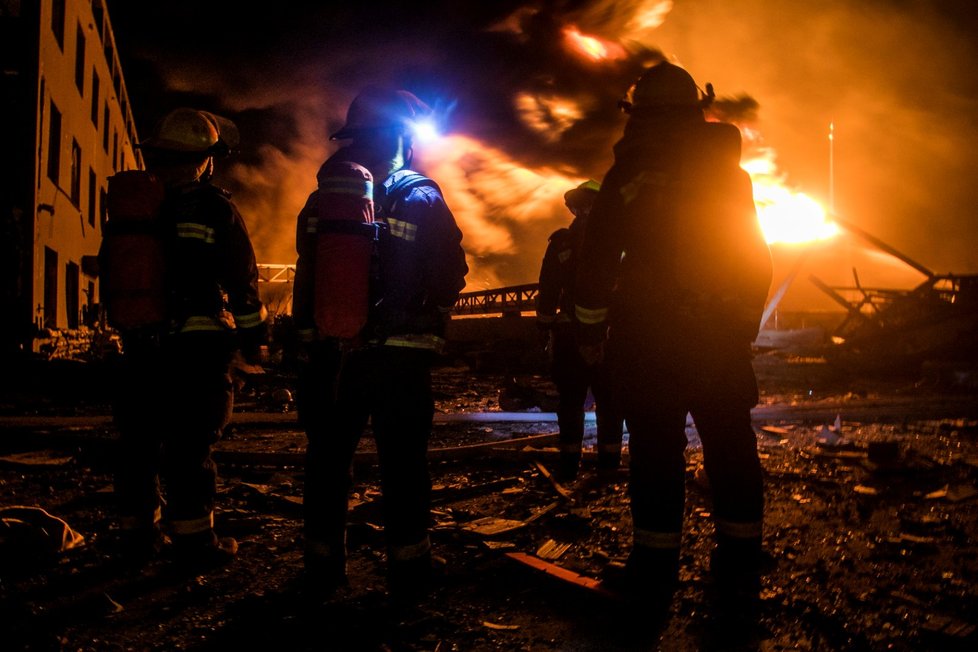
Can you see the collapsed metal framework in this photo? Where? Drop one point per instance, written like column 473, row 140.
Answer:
column 508, row 300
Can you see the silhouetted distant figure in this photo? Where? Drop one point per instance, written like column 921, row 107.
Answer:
column 572, row 375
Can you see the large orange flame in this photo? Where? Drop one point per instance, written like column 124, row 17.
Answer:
column 592, row 47
column 786, row 215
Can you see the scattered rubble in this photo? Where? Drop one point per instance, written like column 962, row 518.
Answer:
column 871, row 522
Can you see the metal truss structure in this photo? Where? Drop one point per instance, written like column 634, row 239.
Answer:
column 512, row 299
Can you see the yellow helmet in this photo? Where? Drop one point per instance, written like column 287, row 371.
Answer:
column 193, row 131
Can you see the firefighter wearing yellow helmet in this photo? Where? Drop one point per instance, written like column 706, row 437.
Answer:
column 571, row 374
column 382, row 371
column 674, row 271
column 174, row 394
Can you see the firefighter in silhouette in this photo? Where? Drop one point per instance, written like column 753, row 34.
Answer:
column 180, row 283
column 571, row 374
column 673, row 239
column 372, row 319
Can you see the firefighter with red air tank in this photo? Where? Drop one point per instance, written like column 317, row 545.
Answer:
column 180, row 283
column 406, row 268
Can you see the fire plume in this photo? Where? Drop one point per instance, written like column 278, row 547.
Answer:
column 786, row 215
column 592, row 47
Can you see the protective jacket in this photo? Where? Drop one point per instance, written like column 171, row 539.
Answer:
column 675, row 226
column 555, row 300
column 673, row 235
column 384, row 375
column 212, row 276
column 415, row 282
column 174, row 393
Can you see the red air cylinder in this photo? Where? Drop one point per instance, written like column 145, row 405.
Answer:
column 344, row 248
column 131, row 258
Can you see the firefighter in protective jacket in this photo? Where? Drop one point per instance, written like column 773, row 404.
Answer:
column 674, row 236
column 571, row 374
column 381, row 373
column 174, row 388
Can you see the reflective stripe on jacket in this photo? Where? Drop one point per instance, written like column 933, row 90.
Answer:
column 212, row 275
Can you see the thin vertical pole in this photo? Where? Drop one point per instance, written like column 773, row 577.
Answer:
column 831, row 168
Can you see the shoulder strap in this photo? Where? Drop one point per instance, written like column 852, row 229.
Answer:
column 397, row 185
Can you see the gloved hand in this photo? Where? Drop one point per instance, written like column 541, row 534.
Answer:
column 251, row 341
column 442, row 316
column 544, row 336
column 590, row 341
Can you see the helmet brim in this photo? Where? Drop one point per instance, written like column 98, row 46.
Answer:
column 344, row 134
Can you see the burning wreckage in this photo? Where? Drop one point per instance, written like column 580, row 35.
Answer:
column 890, row 330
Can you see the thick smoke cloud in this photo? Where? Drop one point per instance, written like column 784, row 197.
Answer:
column 530, row 117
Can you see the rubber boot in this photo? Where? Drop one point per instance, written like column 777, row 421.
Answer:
column 203, row 550
column 650, row 576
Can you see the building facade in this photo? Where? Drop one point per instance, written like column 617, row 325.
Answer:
column 68, row 128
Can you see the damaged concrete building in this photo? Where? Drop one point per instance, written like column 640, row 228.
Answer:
column 69, row 127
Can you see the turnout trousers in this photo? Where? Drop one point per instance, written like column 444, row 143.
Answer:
column 173, row 399
column 662, row 373
column 573, row 378
column 338, row 393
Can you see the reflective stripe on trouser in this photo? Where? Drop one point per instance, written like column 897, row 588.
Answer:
column 148, row 521
column 409, row 551
column 423, row 341
column 656, row 540
column 752, row 530
column 192, row 526
column 251, row 319
column 325, row 550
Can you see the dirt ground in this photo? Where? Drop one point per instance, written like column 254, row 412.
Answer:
column 871, row 501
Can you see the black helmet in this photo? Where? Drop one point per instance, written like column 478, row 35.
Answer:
column 379, row 108
column 665, row 85
column 582, row 195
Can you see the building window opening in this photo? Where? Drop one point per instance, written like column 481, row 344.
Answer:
column 103, row 215
column 105, row 128
column 96, row 83
column 80, row 61
column 76, row 172
column 92, row 197
column 49, row 311
column 58, row 22
column 89, row 316
column 72, row 292
column 54, row 144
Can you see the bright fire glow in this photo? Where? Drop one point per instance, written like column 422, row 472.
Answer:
column 495, row 198
column 786, row 215
column 550, row 116
column 592, row 47
column 651, row 16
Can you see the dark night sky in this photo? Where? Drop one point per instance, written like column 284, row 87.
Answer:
column 528, row 116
